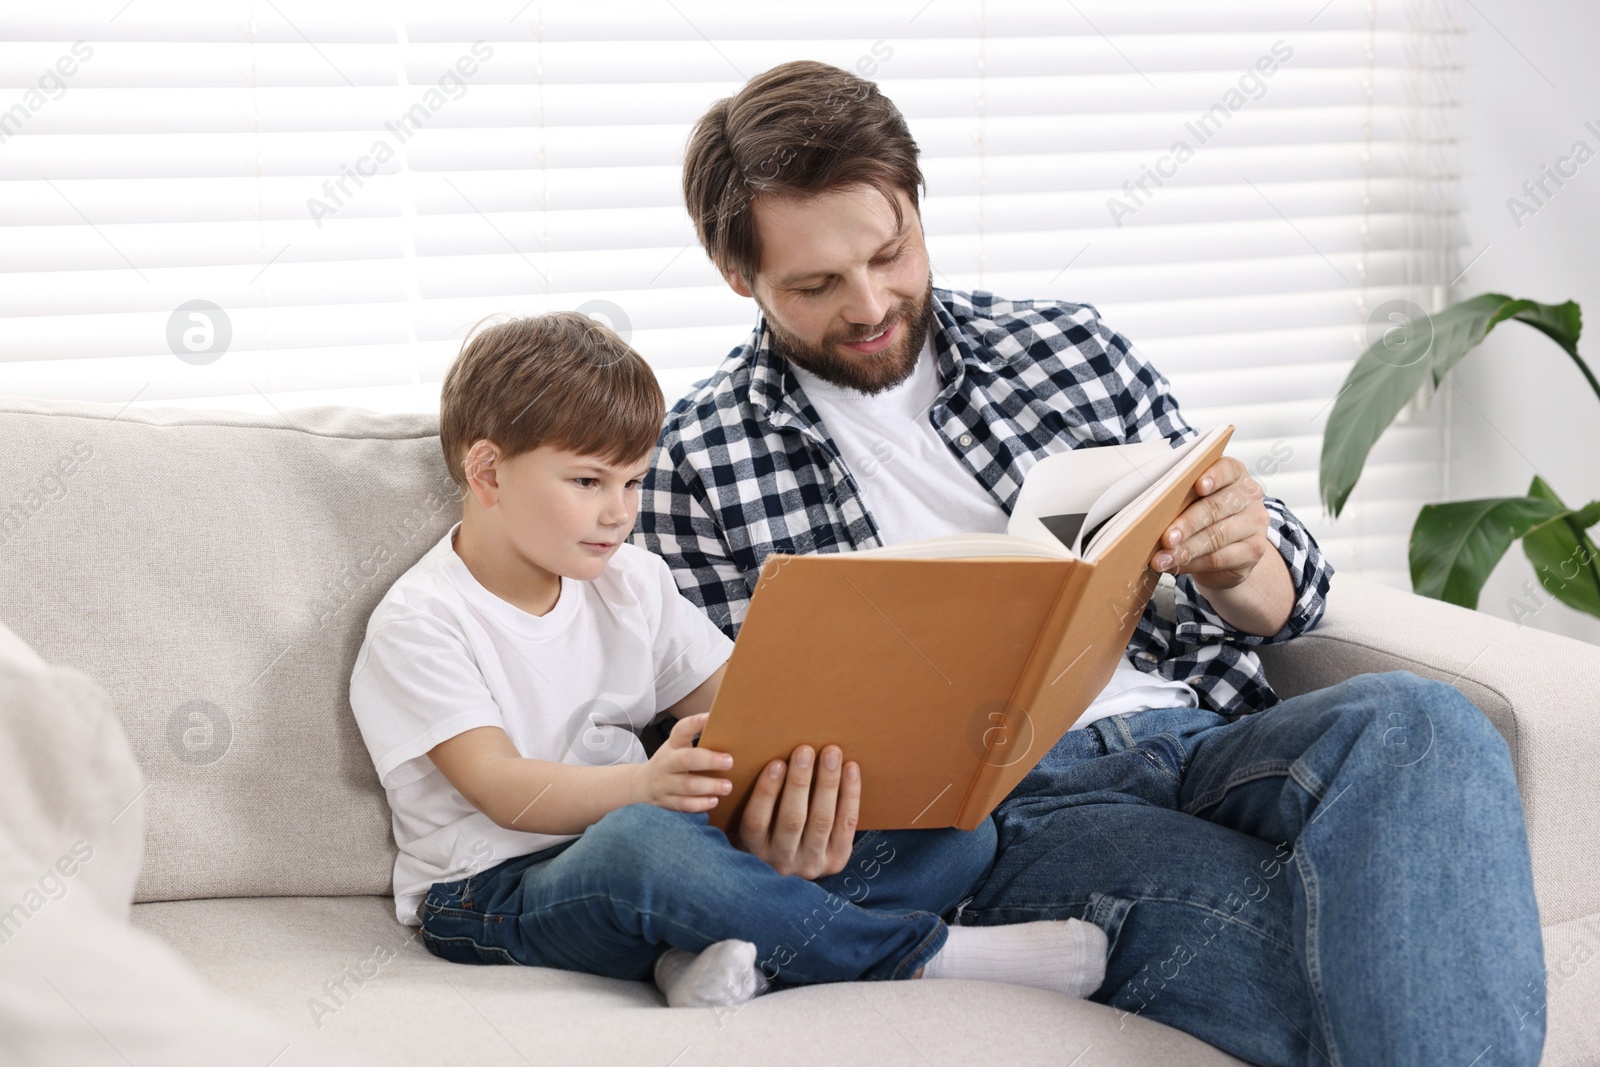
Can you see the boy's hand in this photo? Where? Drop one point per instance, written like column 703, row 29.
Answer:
column 812, row 833
column 675, row 777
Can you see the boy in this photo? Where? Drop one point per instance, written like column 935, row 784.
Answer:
column 500, row 690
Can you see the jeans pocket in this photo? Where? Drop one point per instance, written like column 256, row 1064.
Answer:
column 460, row 949
column 458, row 933
column 1165, row 755
column 446, row 896
column 1108, row 913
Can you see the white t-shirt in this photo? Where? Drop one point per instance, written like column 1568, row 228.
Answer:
column 443, row 655
column 915, row 486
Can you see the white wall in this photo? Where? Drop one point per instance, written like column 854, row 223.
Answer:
column 1522, row 408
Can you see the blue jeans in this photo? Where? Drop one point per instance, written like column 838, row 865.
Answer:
column 644, row 878
column 1342, row 879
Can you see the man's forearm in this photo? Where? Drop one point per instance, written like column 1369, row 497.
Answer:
column 1260, row 604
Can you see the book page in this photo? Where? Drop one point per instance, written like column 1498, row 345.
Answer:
column 968, row 546
column 1059, row 494
column 1129, row 489
column 1066, row 501
column 1178, row 466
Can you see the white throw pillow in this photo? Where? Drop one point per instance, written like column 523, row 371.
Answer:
column 78, row 984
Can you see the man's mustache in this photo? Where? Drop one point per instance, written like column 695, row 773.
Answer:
column 898, row 315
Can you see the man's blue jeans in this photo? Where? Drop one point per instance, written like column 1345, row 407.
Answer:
column 1342, row 879
column 644, row 878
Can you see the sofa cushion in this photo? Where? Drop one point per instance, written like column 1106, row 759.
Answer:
column 343, row 974
column 214, row 572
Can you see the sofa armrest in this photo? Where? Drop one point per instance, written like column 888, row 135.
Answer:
column 1541, row 691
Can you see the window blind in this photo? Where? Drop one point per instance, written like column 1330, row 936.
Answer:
column 279, row 203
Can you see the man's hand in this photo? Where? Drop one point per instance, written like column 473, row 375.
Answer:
column 813, row 830
column 677, row 777
column 1219, row 539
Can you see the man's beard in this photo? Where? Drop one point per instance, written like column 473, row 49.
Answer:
column 863, row 373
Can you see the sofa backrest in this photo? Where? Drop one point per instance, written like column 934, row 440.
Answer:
column 214, row 572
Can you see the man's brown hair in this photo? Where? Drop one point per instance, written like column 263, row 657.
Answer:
column 560, row 379
column 800, row 129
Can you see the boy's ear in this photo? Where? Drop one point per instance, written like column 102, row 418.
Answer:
column 479, row 470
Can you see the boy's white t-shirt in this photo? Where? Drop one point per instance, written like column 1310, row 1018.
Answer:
column 916, row 487
column 443, row 655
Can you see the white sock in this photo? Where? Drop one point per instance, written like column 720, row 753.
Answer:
column 723, row 975
column 1067, row 955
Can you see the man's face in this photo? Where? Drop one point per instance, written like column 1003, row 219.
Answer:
column 846, row 293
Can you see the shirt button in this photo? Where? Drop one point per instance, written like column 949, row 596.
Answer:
column 1195, row 680
column 965, row 440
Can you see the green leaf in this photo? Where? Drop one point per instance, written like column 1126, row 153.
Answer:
column 1562, row 323
column 1371, row 396
column 1388, row 374
column 1454, row 546
column 1462, row 326
column 1564, row 558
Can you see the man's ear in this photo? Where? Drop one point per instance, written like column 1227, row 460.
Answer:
column 735, row 281
column 479, row 468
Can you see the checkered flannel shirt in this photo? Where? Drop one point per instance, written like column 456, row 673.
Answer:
column 745, row 468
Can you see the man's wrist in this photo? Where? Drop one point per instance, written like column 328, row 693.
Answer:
column 1262, row 604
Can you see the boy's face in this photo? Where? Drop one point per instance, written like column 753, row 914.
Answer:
column 560, row 511
column 846, row 292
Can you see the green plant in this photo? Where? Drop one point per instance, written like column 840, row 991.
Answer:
column 1455, row 545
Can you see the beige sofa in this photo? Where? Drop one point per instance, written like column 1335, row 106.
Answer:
column 214, row 572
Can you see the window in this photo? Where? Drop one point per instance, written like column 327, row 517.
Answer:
column 279, row 203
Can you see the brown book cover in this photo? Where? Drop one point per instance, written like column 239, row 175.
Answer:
column 946, row 679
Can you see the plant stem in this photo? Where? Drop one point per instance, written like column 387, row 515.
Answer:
column 1587, row 374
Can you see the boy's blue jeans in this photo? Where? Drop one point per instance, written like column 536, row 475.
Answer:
column 644, row 878
column 1340, row 880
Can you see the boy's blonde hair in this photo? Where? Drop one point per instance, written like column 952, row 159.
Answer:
column 560, row 379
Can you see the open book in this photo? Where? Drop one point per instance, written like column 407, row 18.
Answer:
column 947, row 667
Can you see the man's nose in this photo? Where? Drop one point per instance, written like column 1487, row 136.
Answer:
column 866, row 303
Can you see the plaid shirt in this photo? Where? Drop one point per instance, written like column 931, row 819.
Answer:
column 745, row 468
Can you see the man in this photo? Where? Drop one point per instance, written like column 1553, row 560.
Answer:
column 1342, row 876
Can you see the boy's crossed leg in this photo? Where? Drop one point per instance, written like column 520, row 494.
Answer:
column 644, row 879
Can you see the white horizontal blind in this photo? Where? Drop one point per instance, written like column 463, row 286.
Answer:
column 355, row 184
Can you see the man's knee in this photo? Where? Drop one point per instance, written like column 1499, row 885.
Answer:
column 1410, row 721
column 1440, row 710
